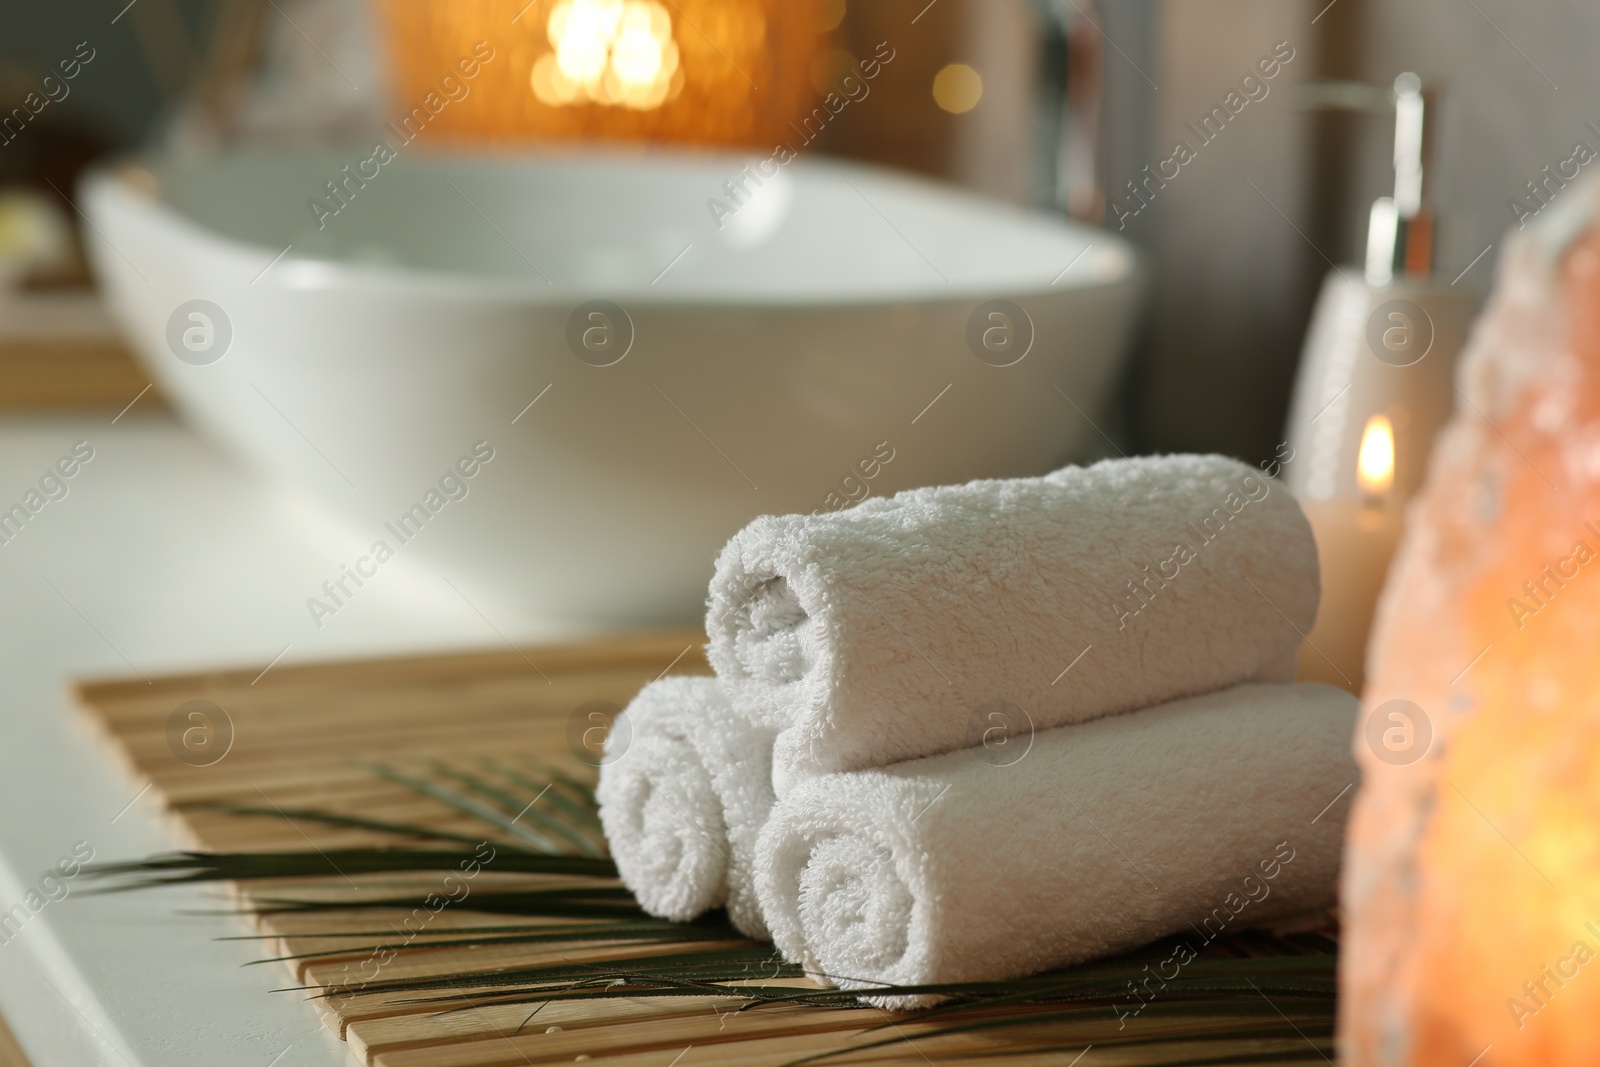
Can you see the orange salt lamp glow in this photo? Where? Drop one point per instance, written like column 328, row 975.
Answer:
column 1471, row 886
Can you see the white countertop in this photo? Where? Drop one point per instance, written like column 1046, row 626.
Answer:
column 162, row 557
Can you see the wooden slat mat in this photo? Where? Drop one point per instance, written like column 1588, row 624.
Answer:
column 60, row 350
column 296, row 738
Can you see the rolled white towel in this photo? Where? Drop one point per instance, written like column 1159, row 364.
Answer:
column 1207, row 814
column 683, row 802
column 925, row 622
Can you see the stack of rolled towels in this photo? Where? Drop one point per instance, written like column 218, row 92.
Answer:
column 971, row 732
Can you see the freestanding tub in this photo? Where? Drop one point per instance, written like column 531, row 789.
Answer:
column 654, row 348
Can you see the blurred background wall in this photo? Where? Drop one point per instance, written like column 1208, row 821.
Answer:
column 1237, row 242
column 1520, row 84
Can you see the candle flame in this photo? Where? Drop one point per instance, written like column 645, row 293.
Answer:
column 1375, row 462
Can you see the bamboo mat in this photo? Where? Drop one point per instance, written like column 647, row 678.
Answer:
column 11, row 1054
column 60, row 351
column 291, row 739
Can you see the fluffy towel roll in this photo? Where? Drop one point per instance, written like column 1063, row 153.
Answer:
column 917, row 624
column 1210, row 813
column 684, row 792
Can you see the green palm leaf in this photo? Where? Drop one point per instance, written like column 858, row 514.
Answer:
column 525, row 935
column 506, row 824
column 1258, row 996
column 520, row 808
column 575, row 800
column 350, row 822
column 181, row 867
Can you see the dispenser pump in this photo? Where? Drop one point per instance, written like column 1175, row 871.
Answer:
column 1400, row 227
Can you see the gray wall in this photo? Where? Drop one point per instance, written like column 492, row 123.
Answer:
column 1233, row 278
column 1519, row 79
column 1232, row 272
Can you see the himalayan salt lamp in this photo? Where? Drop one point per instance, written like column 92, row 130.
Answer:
column 709, row 72
column 1472, row 873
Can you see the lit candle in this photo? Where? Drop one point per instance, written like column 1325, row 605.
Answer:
column 1375, row 462
column 1356, row 539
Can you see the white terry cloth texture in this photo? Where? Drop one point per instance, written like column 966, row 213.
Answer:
column 684, row 790
column 1215, row 811
column 901, row 627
